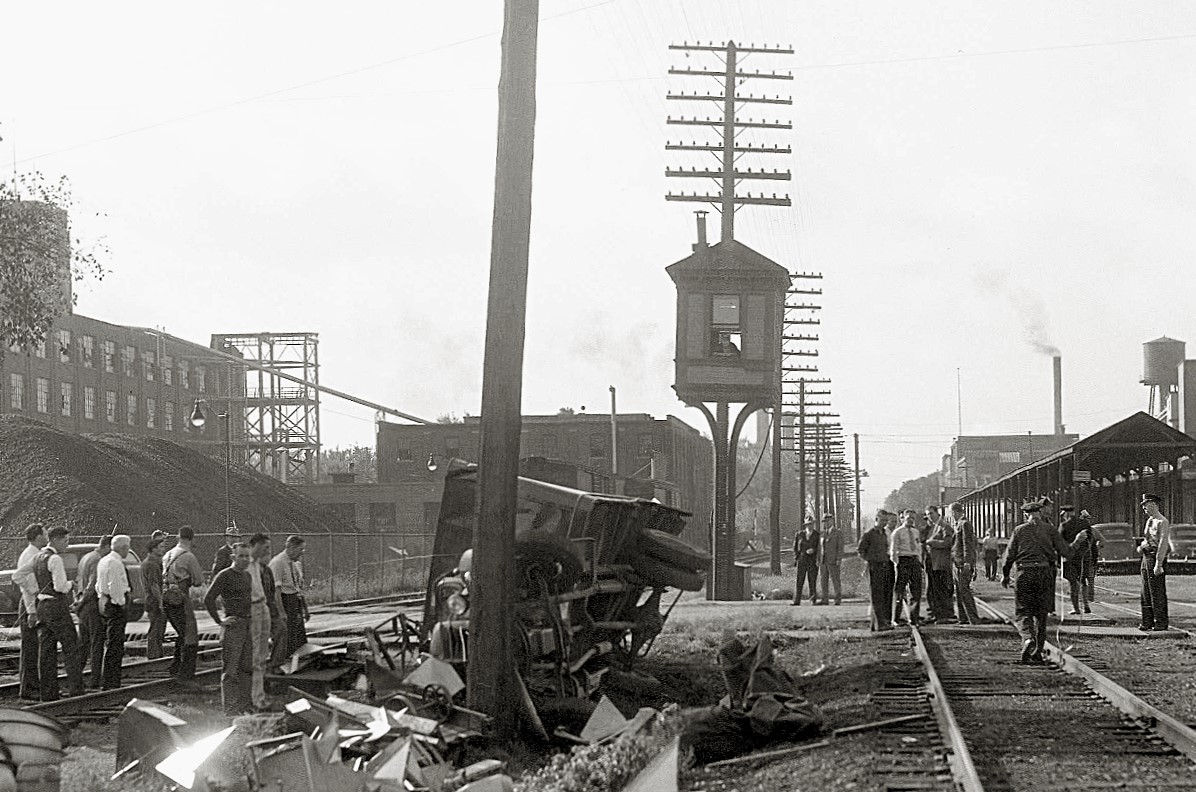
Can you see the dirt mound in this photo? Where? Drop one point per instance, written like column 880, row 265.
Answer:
column 89, row 483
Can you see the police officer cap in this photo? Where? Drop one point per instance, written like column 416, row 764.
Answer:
column 1150, row 497
column 1032, row 506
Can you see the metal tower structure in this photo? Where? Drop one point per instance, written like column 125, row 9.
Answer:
column 282, row 417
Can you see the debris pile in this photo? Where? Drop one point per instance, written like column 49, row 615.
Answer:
column 31, row 750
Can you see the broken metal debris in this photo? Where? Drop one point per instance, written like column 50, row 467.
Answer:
column 31, row 749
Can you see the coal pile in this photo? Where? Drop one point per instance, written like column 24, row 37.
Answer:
column 88, row 483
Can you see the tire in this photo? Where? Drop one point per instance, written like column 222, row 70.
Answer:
column 547, row 559
column 658, row 574
column 671, row 550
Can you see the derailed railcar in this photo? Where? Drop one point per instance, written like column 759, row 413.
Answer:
column 591, row 570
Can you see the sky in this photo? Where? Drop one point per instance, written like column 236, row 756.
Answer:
column 975, row 181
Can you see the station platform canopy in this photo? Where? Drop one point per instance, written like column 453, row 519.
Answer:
column 1105, row 471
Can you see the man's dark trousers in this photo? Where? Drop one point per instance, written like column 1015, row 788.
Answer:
column 115, row 619
column 807, row 569
column 236, row 676
column 292, row 604
column 91, row 636
column 880, row 585
column 28, row 660
column 55, row 627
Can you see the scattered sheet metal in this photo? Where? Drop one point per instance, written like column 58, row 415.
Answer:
column 182, row 765
column 661, row 773
column 145, row 735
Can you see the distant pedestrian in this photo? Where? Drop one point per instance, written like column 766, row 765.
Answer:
column 830, row 557
column 939, row 567
column 112, row 587
column 992, row 553
column 873, row 548
column 805, row 558
column 233, row 587
column 905, row 550
column 54, row 624
column 91, row 624
column 262, row 614
column 963, row 558
column 288, row 579
column 1094, row 547
column 151, row 577
column 224, row 553
column 27, row 663
column 1155, row 546
column 180, row 573
column 1034, row 550
column 1075, row 532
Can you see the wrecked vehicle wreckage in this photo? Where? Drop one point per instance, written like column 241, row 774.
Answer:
column 591, row 572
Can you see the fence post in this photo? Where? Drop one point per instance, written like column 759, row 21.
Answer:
column 357, row 549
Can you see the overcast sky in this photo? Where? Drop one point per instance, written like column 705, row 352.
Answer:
column 966, row 174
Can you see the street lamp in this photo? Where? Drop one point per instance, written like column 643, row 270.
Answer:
column 198, row 420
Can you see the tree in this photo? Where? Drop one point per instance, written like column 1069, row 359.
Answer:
column 337, row 460
column 566, row 411
column 915, row 494
column 37, row 259
column 450, row 418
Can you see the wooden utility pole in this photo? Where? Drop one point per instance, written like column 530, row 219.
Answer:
column 493, row 684
column 856, row 440
column 801, row 454
column 774, row 509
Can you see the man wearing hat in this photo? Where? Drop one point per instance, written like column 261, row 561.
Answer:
column 1035, row 550
column 1094, row 546
column 831, row 553
column 805, row 558
column 151, row 574
column 1077, row 533
column 873, row 548
column 1156, row 543
column 224, row 555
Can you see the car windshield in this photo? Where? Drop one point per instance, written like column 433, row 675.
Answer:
column 1183, row 531
column 1114, row 531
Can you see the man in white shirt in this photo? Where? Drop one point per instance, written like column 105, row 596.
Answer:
column 288, row 580
column 54, row 624
column 27, row 611
column 905, row 548
column 259, row 615
column 112, row 588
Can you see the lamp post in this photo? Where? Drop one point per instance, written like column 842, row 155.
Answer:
column 198, row 420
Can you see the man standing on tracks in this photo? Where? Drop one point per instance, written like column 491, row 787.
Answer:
column 87, row 605
column 992, row 553
column 1156, row 544
column 1076, row 532
column 288, row 579
column 963, row 557
column 224, row 553
column 831, row 553
column 151, row 576
column 905, row 551
column 1094, row 546
column 112, row 587
column 261, row 614
column 805, row 558
column 939, row 565
column 1035, row 550
column 181, row 571
column 233, row 586
column 54, row 623
column 35, row 534
column 873, row 548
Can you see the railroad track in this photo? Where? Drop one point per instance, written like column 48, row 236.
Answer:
column 145, row 678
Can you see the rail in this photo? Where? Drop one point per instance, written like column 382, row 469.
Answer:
column 963, row 769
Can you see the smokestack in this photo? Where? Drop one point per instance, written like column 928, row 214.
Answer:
column 701, row 230
column 1058, row 361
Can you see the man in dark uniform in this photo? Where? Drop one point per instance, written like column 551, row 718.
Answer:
column 873, row 547
column 1035, row 549
column 224, row 553
column 1077, row 533
column 805, row 558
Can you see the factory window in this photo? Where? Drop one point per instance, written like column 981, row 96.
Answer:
column 168, row 417
column 1009, row 457
column 89, row 402
column 726, row 338
column 39, row 348
column 16, row 391
column 127, row 356
column 452, row 447
column 43, row 395
column 431, row 516
column 110, row 356
column 199, row 376
column 598, row 444
column 646, row 446
column 110, row 406
column 131, row 410
column 185, row 374
column 64, row 346
column 382, row 515
column 67, row 392
column 87, row 345
column 167, row 370
column 151, row 412
column 148, row 362
column 404, row 455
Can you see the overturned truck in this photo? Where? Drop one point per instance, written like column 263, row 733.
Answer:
column 591, row 571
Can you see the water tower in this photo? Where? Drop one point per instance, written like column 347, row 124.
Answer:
column 1161, row 359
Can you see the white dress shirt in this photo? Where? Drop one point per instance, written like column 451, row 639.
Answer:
column 256, row 592
column 112, row 580
column 59, row 581
column 24, row 578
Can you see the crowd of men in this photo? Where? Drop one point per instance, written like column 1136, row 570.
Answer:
column 259, row 592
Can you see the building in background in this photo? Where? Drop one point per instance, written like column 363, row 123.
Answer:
column 662, row 458
column 978, row 460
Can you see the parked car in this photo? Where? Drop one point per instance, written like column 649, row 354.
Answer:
column 1183, row 541
column 10, row 595
column 1118, row 548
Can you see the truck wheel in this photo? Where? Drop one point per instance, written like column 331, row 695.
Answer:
column 548, row 560
column 671, row 550
column 659, row 574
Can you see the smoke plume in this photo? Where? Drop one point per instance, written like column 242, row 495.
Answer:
column 1030, row 309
